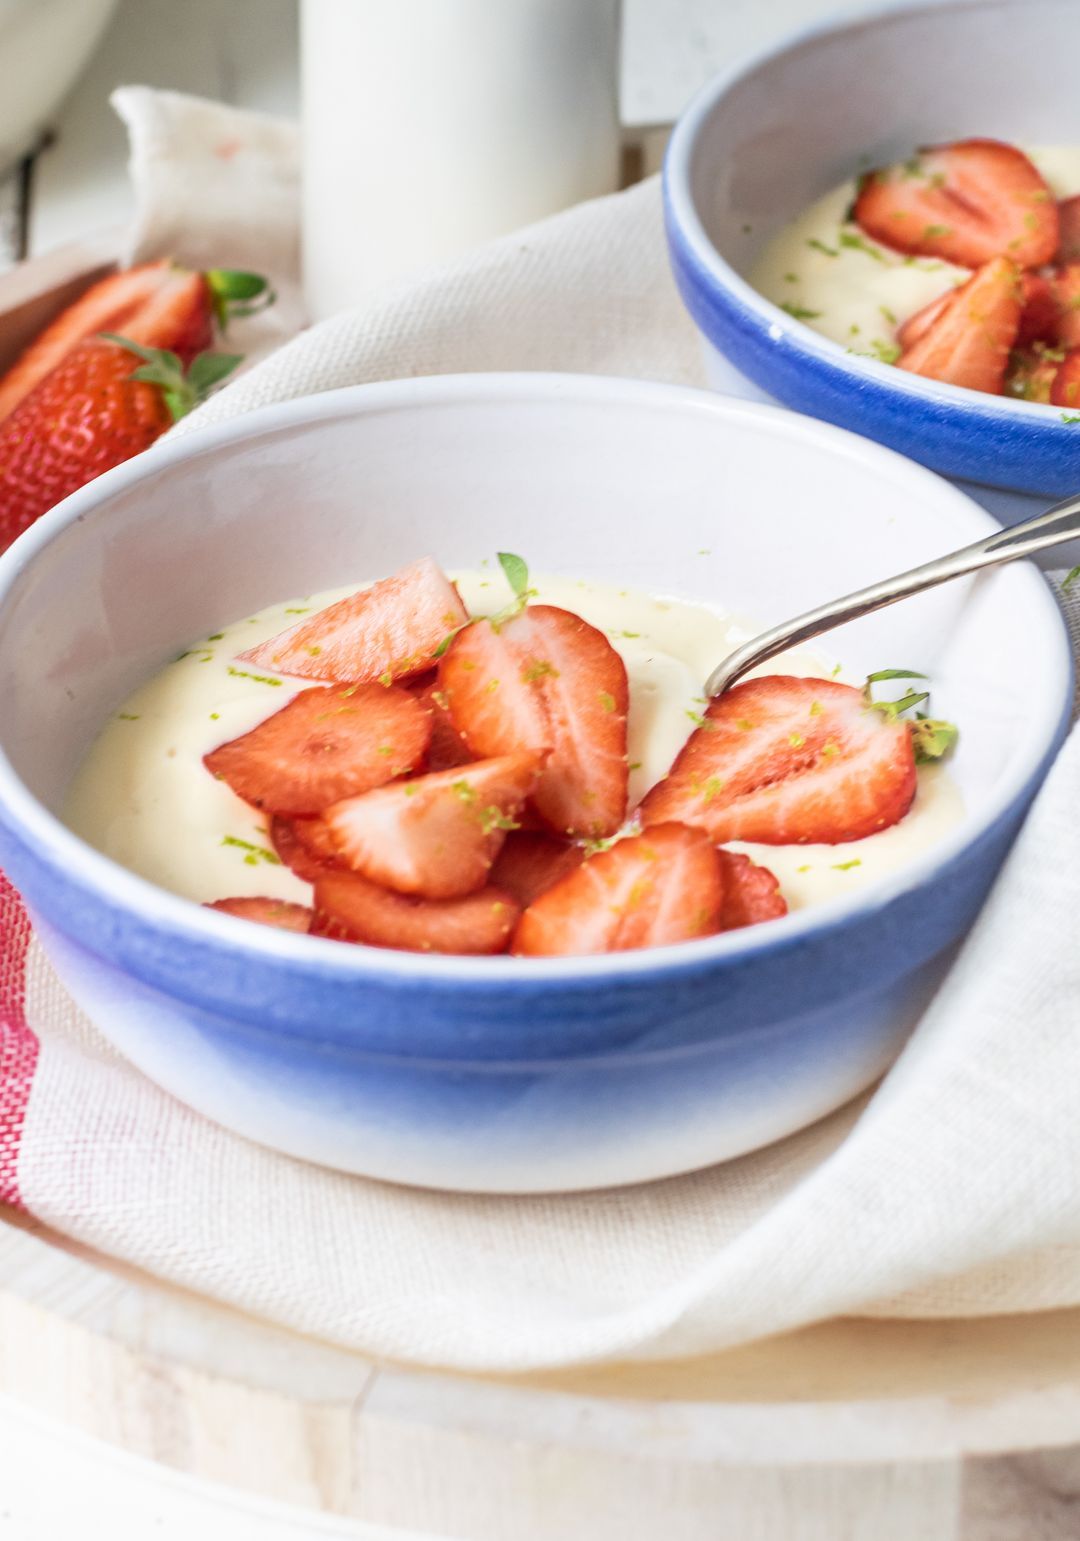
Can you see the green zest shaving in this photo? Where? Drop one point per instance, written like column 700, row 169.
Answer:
column 254, row 854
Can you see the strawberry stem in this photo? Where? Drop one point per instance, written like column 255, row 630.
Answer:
column 181, row 390
column 931, row 738
column 235, row 294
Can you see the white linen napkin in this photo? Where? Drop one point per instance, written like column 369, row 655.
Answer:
column 949, row 1190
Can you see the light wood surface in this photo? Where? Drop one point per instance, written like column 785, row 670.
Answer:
column 890, row 1428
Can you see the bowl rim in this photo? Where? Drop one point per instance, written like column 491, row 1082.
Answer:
column 149, row 908
column 807, row 346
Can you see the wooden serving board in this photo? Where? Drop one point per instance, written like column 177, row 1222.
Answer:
column 852, row 1431
column 861, row 1430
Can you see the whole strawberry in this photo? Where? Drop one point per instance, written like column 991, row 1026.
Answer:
column 80, row 401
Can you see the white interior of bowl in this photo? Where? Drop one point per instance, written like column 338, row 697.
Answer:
column 616, row 481
column 824, row 107
column 761, row 143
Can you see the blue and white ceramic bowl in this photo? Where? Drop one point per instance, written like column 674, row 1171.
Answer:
column 503, row 1073
column 761, row 143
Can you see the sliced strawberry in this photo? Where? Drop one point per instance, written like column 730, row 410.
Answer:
column 530, row 863
column 1069, row 230
column 919, row 324
column 268, row 912
column 1065, row 286
column 437, row 835
column 324, row 746
column 547, row 680
column 349, row 908
column 447, row 748
column 1065, row 391
column 965, row 203
column 384, row 633
column 785, row 761
column 304, row 845
column 156, row 304
column 751, row 893
column 1040, row 311
column 649, row 890
column 969, row 341
column 1031, row 374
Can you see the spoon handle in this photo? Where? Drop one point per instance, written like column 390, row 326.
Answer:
column 1058, row 524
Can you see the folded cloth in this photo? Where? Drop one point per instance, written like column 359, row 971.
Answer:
column 949, row 1190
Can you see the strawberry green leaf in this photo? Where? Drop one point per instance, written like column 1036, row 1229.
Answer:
column 894, row 674
column 209, row 369
column 235, row 294
column 516, row 570
column 893, row 709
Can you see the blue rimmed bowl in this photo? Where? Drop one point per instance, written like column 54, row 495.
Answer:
column 500, row 1073
column 762, row 142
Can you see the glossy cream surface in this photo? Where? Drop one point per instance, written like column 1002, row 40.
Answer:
column 824, row 271
column 144, row 798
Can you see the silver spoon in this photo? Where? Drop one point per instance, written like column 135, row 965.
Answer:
column 1058, row 524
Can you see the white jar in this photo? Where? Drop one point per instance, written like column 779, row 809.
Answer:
column 433, row 125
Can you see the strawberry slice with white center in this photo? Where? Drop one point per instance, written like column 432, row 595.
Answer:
column 969, row 341
column 326, row 745
column 438, row 835
column 349, row 908
column 278, row 913
column 386, row 632
column 545, row 679
column 966, row 203
column 649, row 890
column 304, row 845
column 530, row 863
column 787, row 761
column 751, row 893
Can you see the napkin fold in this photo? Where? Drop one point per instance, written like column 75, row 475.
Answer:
column 949, row 1190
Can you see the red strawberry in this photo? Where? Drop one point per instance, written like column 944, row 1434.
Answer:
column 304, row 846
column 785, row 761
column 1065, row 286
column 268, row 912
column 383, row 633
column 545, row 679
column 1065, row 391
column 447, row 748
column 85, row 417
column 1040, row 318
column 529, row 864
column 1069, row 230
column 966, row 203
column 919, row 324
column 1031, row 374
column 649, row 890
column 968, row 343
column 157, row 305
column 436, row 836
column 351, row 909
column 327, row 744
column 751, row 893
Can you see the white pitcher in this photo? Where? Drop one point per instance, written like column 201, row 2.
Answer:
column 433, row 125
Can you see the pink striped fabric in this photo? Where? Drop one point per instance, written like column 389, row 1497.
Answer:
column 18, row 1045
